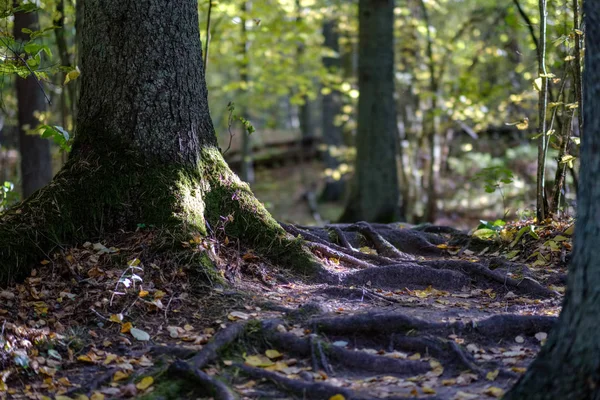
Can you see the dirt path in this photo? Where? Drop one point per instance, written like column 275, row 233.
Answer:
column 399, row 313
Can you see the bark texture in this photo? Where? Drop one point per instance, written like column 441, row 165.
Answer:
column 146, row 92
column 568, row 366
column 375, row 193
column 36, row 162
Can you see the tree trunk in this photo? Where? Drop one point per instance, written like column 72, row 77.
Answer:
column 332, row 134
column 36, row 162
column 247, row 169
column 375, row 191
column 568, row 366
column 145, row 151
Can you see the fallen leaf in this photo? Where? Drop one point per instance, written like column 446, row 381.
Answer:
column 273, row 354
column 139, row 334
column 145, row 383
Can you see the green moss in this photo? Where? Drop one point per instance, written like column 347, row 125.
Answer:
column 99, row 194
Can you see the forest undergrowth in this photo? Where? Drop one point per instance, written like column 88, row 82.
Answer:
column 400, row 312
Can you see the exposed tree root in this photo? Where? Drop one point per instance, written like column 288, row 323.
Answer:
column 392, row 331
column 383, row 247
column 208, row 385
column 346, row 359
column 495, row 327
column 221, row 340
column 298, row 388
column 392, row 268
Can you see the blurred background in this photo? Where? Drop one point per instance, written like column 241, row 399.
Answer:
column 283, row 89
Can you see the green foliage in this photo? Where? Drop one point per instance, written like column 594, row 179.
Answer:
column 57, row 134
column 494, row 177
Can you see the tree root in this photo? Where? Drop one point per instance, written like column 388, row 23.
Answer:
column 301, row 389
column 383, row 247
column 392, row 268
column 221, row 340
column 495, row 327
column 209, row 385
column 346, row 359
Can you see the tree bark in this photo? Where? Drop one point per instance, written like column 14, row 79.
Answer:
column 568, row 366
column 36, row 162
column 145, row 150
column 332, row 134
column 375, row 191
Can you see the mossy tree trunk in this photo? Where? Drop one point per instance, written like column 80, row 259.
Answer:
column 375, row 192
column 145, row 150
column 568, row 366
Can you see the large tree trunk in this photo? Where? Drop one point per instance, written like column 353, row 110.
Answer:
column 145, row 150
column 36, row 162
column 568, row 366
column 332, row 104
column 375, row 193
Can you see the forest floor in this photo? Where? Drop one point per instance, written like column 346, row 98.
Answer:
column 440, row 314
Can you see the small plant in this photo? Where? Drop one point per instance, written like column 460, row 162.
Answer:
column 8, row 195
column 494, row 179
column 231, row 119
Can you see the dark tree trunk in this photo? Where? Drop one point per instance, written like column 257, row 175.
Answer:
column 36, row 162
column 332, row 103
column 568, row 366
column 375, row 191
column 145, row 151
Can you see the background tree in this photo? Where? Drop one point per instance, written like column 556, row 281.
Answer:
column 36, row 166
column 331, row 109
column 145, row 149
column 375, row 191
column 567, row 365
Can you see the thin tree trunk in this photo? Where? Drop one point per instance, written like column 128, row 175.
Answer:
column 247, row 170
column 543, row 106
column 69, row 91
column 567, row 367
column 375, row 191
column 36, row 162
column 332, row 135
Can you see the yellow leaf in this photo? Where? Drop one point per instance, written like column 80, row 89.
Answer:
column 45, row 262
column 135, row 262
column 491, row 376
column 143, row 293
column 428, row 390
column 110, row 357
column 97, row 396
column 145, row 383
column 272, row 354
column 72, row 75
column 118, row 318
column 337, row 397
column 120, row 375
column 524, row 124
column 258, row 361
column 159, row 294
column 126, row 327
column 86, row 358
column 494, row 391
